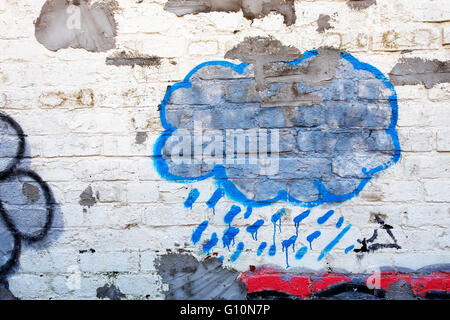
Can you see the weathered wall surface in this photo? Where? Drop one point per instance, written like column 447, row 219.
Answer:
column 106, row 191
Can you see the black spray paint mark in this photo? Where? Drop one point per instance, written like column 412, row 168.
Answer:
column 360, row 4
column 110, row 292
column 323, row 23
column 77, row 24
column 252, row 9
column 189, row 279
column 411, row 71
column 132, row 59
column 27, row 205
column 87, row 198
column 365, row 247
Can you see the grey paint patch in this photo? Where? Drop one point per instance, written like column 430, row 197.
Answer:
column 411, row 71
column 87, row 198
column 31, row 192
column 360, row 4
column 141, row 137
column 189, row 279
column 323, row 23
column 252, row 9
column 77, row 24
column 132, row 59
column 262, row 51
column 400, row 290
column 110, row 292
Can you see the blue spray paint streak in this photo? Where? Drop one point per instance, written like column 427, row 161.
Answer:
column 248, row 213
column 340, row 222
column 212, row 202
column 299, row 219
column 228, row 236
column 285, row 246
column 333, row 242
column 275, row 218
column 219, row 172
column 313, row 236
column 192, row 197
column 301, row 252
column 253, row 229
column 325, row 217
column 221, row 258
column 348, row 249
column 261, row 248
column 196, row 235
column 238, row 252
column 211, row 243
column 234, row 211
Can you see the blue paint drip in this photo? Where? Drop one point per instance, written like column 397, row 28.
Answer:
column 248, row 213
column 196, row 235
column 348, row 249
column 211, row 243
column 334, row 242
column 299, row 219
column 234, row 211
column 212, row 202
column 261, row 248
column 275, row 218
column 272, row 250
column 325, row 217
column 238, row 252
column 340, row 222
column 285, row 246
column 301, row 252
column 313, row 236
column 228, row 236
column 219, row 172
column 192, row 197
column 253, row 229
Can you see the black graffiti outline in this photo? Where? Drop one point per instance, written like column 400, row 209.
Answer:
column 377, row 246
column 11, row 171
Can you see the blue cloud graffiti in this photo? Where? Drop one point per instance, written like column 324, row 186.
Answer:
column 334, row 116
column 308, row 132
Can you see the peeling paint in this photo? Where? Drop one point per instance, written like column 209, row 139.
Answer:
column 87, row 198
column 411, row 71
column 132, row 59
column 360, row 4
column 252, row 9
column 110, row 292
column 189, row 279
column 77, row 24
column 323, row 23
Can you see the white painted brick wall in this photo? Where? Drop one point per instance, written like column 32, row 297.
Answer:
column 138, row 216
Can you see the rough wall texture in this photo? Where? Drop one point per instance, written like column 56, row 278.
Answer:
column 161, row 149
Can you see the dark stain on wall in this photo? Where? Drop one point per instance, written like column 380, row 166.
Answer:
column 5, row 294
column 77, row 24
column 323, row 23
column 31, row 192
column 360, row 4
column 190, row 279
column 141, row 137
column 87, row 198
column 110, row 292
column 132, row 59
column 252, row 9
column 411, row 71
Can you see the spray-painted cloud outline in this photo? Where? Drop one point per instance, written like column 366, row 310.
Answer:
column 219, row 171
